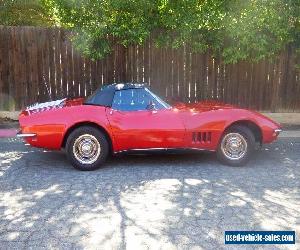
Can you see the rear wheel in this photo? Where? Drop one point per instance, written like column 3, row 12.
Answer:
column 87, row 148
column 236, row 146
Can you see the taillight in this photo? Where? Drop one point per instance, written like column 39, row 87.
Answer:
column 24, row 112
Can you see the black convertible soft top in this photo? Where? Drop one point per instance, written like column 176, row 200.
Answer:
column 104, row 95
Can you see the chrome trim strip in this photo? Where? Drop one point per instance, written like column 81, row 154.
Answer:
column 45, row 105
column 20, row 135
column 162, row 149
column 278, row 130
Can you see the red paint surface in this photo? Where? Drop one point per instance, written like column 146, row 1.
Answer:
column 171, row 128
column 146, row 129
column 6, row 133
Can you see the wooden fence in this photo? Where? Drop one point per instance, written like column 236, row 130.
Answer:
column 39, row 63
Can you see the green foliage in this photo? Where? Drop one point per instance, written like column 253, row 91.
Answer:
column 235, row 29
column 23, row 12
column 258, row 29
column 97, row 21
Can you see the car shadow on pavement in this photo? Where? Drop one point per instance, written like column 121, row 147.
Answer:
column 141, row 202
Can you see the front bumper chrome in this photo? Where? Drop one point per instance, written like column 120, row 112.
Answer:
column 277, row 131
column 25, row 135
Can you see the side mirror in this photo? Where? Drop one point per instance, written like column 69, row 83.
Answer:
column 151, row 106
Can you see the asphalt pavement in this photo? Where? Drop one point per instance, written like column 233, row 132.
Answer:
column 146, row 202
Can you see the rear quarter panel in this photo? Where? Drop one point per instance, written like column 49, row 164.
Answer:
column 51, row 126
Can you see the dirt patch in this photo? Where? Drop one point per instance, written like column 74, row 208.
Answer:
column 8, row 123
column 2, row 120
column 290, row 127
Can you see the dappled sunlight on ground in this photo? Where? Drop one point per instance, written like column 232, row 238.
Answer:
column 7, row 158
column 142, row 202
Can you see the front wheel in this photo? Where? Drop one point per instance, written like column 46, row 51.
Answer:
column 87, row 148
column 236, row 146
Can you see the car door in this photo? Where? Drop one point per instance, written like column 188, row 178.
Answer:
column 136, row 127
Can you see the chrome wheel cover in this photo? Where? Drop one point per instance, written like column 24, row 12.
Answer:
column 86, row 149
column 234, row 146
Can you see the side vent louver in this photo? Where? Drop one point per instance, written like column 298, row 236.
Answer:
column 201, row 137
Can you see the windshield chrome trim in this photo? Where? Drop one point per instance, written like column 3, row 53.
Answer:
column 158, row 99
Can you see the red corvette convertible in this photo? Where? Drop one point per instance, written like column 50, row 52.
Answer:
column 130, row 118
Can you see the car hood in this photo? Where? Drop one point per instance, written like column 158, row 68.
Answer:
column 57, row 104
column 203, row 106
column 216, row 105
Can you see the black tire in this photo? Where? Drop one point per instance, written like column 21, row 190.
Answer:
column 249, row 138
column 97, row 137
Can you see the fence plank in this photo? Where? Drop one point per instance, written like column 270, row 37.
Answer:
column 2, row 70
column 11, row 75
column 32, row 59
